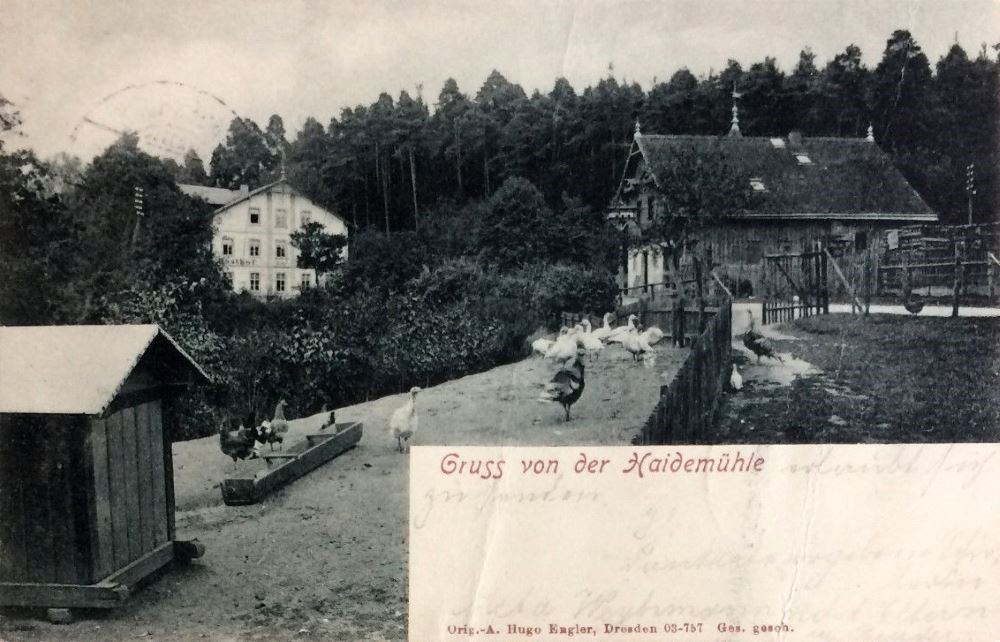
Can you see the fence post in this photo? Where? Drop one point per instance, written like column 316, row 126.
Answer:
column 958, row 282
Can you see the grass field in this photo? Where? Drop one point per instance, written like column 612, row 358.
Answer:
column 884, row 379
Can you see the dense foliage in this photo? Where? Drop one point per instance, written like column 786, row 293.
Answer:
column 382, row 165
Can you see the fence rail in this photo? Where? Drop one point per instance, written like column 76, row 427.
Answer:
column 687, row 408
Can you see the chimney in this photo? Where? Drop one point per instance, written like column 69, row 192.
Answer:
column 795, row 139
column 244, row 190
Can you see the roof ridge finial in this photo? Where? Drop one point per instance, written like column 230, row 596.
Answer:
column 871, row 134
column 734, row 128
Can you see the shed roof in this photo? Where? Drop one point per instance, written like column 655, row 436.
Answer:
column 841, row 178
column 76, row 369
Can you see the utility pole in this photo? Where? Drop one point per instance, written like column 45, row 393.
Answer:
column 970, row 186
column 138, row 201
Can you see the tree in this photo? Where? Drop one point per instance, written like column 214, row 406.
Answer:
column 248, row 157
column 318, row 249
column 901, row 93
column 193, row 170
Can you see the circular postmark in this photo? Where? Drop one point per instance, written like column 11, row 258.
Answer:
column 170, row 118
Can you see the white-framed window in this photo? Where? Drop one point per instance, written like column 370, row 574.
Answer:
column 279, row 282
column 227, row 246
column 306, row 281
column 280, row 218
column 254, row 216
column 305, row 218
column 253, row 247
column 255, row 281
column 280, row 250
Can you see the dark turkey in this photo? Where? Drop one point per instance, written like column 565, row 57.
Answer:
column 566, row 386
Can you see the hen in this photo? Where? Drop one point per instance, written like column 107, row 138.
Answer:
column 278, row 423
column 567, row 384
column 403, row 422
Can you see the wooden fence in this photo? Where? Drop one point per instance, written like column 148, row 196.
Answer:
column 687, row 408
column 657, row 313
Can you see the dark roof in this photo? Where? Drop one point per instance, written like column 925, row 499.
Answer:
column 211, row 195
column 845, row 178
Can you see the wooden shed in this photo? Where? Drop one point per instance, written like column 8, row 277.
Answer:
column 86, row 476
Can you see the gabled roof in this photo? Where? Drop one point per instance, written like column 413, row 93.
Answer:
column 840, row 178
column 266, row 188
column 77, row 369
column 211, row 195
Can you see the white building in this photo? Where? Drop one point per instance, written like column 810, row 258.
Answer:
column 253, row 235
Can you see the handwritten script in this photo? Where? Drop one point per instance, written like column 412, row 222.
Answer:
column 873, row 542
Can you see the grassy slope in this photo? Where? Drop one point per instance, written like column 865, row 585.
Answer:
column 901, row 379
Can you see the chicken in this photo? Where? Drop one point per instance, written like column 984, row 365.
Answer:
column 736, row 379
column 238, row 444
column 567, row 384
column 403, row 422
column 266, row 434
column 757, row 343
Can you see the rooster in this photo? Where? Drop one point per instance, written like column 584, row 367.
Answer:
column 238, row 444
column 567, row 384
column 757, row 343
column 403, row 423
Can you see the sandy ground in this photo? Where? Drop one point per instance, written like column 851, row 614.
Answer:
column 325, row 557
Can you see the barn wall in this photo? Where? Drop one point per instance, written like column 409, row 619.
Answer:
column 43, row 499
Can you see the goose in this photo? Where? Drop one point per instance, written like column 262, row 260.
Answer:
column 619, row 333
column 602, row 333
column 564, row 347
column 403, row 422
column 652, row 335
column 636, row 344
column 736, row 379
column 591, row 344
column 541, row 345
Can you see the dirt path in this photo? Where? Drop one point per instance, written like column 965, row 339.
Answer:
column 325, row 558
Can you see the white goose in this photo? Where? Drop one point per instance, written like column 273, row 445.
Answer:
column 636, row 344
column 404, row 420
column 591, row 344
column 601, row 334
column 564, row 347
column 619, row 333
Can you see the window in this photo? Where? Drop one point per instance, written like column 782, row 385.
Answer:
column 229, row 278
column 254, row 247
column 255, row 281
column 279, row 282
column 280, row 218
column 227, row 246
column 860, row 241
column 306, row 281
column 280, row 250
column 803, row 159
column 254, row 216
column 305, row 218
column 778, row 143
column 757, row 185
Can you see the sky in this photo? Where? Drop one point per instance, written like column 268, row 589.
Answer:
column 79, row 71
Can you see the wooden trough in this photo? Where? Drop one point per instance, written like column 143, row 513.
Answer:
column 287, row 466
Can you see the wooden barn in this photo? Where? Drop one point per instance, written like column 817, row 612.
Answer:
column 841, row 192
column 86, row 477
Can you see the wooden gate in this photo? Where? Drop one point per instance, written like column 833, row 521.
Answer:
column 795, row 286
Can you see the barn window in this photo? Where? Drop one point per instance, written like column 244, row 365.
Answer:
column 803, row 159
column 758, row 185
column 254, row 216
column 778, row 143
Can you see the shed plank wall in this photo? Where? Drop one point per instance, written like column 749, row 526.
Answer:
column 158, row 469
column 117, row 483
column 103, row 551
column 144, row 477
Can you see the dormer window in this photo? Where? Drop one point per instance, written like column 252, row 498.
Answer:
column 778, row 143
column 757, row 185
column 803, row 159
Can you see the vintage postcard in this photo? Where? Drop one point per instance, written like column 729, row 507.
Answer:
column 447, row 320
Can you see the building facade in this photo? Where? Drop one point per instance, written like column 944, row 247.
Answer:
column 253, row 235
column 841, row 192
